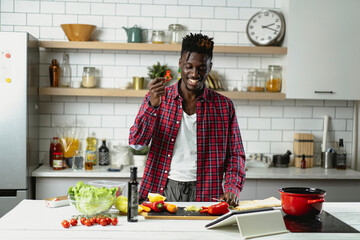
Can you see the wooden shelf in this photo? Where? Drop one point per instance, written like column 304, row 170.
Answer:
column 157, row 47
column 110, row 92
column 96, row 92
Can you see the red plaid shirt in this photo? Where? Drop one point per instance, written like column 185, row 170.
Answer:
column 220, row 153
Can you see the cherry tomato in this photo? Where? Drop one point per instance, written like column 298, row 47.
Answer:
column 65, row 223
column 92, row 221
column 103, row 222
column 73, row 222
column 98, row 220
column 87, row 222
column 114, row 221
column 108, row 220
column 82, row 220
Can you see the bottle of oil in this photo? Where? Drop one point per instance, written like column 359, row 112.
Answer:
column 341, row 155
column 133, row 196
column 90, row 159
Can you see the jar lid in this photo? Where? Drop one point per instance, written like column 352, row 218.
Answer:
column 158, row 31
column 274, row 67
column 175, row 26
column 89, row 67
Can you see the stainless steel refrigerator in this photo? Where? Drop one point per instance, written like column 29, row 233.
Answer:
column 19, row 80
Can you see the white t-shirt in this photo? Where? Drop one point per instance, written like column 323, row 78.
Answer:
column 183, row 166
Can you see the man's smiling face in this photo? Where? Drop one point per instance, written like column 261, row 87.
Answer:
column 195, row 68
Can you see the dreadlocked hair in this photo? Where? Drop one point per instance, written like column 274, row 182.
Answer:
column 198, row 43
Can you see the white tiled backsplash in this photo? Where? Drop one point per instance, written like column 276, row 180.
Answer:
column 267, row 126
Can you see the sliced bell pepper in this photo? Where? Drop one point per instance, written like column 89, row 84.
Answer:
column 217, row 209
column 157, row 206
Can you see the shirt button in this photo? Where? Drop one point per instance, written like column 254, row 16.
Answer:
column 168, row 155
column 172, row 139
column 154, row 114
column 177, row 122
column 161, row 189
column 165, row 171
column 180, row 106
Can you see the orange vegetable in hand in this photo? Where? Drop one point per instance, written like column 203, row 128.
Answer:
column 171, row 207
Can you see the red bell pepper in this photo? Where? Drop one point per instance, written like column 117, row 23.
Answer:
column 157, row 206
column 217, row 209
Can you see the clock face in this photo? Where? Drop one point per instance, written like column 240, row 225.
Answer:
column 266, row 28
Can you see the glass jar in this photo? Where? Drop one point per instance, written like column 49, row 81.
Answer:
column 158, row 36
column 251, row 81
column 260, row 81
column 274, row 79
column 256, row 81
column 88, row 78
column 175, row 33
column 78, row 161
column 57, row 160
column 120, row 155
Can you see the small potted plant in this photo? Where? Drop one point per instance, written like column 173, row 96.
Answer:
column 139, row 156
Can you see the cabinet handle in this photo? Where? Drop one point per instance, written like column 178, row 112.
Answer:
column 331, row 92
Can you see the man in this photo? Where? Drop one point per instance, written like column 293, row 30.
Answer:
column 194, row 134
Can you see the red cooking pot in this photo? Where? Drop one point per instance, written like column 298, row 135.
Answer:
column 301, row 201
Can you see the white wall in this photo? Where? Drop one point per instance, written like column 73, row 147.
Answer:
column 266, row 126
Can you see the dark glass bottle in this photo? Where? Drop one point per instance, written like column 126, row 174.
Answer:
column 303, row 162
column 341, row 156
column 133, row 196
column 54, row 71
column 104, row 155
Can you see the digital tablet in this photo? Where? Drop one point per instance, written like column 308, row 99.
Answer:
column 229, row 219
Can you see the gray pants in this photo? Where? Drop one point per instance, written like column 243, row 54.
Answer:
column 180, row 191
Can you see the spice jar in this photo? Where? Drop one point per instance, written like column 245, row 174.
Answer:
column 274, row 79
column 158, row 36
column 88, row 78
column 175, row 33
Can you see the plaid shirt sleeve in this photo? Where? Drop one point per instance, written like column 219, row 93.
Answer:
column 235, row 169
column 141, row 131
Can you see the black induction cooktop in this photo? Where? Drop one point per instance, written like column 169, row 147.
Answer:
column 324, row 222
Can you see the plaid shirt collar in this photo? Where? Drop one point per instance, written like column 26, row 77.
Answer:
column 176, row 94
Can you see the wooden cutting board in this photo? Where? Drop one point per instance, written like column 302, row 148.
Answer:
column 180, row 215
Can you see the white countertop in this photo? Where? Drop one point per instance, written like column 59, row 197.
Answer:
column 97, row 172
column 32, row 220
column 251, row 173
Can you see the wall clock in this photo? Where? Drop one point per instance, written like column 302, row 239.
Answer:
column 266, row 28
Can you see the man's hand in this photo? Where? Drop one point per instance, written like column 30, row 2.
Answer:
column 156, row 90
column 231, row 198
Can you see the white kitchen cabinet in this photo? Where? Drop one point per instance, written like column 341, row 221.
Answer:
column 260, row 183
column 323, row 49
